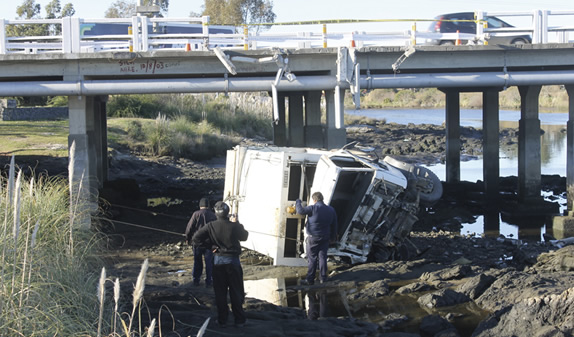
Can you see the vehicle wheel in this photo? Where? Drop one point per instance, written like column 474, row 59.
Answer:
column 428, row 184
column 519, row 41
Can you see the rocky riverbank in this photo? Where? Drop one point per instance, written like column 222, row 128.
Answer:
column 447, row 284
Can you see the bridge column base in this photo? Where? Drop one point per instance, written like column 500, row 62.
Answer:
column 563, row 226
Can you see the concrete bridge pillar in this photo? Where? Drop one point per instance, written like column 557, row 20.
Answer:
column 296, row 121
column 452, row 135
column 570, row 148
column 529, row 169
column 280, row 126
column 88, row 162
column 314, row 135
column 490, row 130
column 336, row 134
column 563, row 226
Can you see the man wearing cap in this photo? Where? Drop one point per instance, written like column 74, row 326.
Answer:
column 199, row 219
column 224, row 236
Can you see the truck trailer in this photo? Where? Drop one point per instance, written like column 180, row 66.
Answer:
column 376, row 201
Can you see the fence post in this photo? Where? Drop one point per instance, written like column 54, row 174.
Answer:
column 414, row 34
column 324, row 35
column 205, row 25
column 2, row 36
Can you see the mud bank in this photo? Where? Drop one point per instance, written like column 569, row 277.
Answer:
column 509, row 287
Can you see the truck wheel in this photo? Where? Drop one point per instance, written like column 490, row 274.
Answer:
column 428, row 184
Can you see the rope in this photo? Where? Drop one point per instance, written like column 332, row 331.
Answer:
column 150, row 212
column 145, row 227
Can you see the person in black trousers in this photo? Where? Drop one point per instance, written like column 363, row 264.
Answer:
column 199, row 219
column 321, row 229
column 223, row 236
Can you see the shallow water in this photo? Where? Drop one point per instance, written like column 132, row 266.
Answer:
column 332, row 302
column 553, row 161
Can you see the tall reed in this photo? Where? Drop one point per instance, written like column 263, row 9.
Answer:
column 45, row 290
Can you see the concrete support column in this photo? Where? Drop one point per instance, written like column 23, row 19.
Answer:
column 490, row 130
column 296, row 130
column 313, row 128
column 529, row 171
column 336, row 135
column 570, row 149
column 83, row 160
column 452, row 136
column 280, row 126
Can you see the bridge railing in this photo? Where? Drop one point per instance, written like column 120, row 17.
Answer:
column 140, row 33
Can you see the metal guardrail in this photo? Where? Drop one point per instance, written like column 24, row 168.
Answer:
column 68, row 35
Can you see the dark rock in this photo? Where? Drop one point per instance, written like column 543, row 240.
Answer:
column 537, row 316
column 442, row 298
column 454, row 273
column 434, row 326
column 474, row 287
column 415, row 287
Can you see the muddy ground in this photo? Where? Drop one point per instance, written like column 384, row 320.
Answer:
column 463, row 284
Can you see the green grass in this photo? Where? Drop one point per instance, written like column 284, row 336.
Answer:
column 48, row 138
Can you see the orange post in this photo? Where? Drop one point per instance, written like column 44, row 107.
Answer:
column 457, row 38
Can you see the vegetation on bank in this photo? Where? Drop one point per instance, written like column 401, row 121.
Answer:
column 189, row 126
column 48, row 279
column 552, row 97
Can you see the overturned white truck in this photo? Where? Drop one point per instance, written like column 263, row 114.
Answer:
column 376, row 201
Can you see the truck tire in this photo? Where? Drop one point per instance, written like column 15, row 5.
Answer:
column 427, row 196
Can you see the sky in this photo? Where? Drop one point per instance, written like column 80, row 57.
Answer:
column 304, row 10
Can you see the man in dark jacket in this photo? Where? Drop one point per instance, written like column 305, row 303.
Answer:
column 223, row 236
column 199, row 219
column 321, row 229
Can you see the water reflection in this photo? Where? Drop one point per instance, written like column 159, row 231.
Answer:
column 395, row 313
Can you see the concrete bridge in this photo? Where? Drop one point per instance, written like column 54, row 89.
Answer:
column 300, row 82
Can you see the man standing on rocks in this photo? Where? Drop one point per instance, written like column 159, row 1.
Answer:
column 224, row 235
column 198, row 220
column 321, row 229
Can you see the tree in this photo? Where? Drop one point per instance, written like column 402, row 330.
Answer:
column 121, row 9
column 239, row 12
column 127, row 8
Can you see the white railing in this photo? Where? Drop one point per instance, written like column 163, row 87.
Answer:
column 140, row 34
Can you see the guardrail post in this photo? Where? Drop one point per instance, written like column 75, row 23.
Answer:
column 136, row 34
column 544, row 26
column 536, row 27
column 2, row 36
column 245, row 37
column 205, row 25
column 324, row 36
column 144, row 40
column 414, row 34
column 480, row 25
